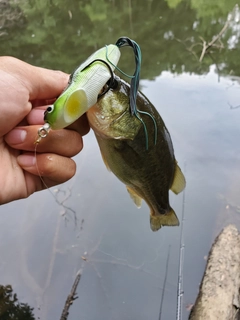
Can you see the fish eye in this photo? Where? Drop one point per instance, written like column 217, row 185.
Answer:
column 49, row 109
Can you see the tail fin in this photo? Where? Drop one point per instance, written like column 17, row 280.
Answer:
column 167, row 219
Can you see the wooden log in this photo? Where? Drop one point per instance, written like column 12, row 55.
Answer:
column 219, row 296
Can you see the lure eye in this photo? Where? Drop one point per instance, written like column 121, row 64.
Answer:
column 49, row 109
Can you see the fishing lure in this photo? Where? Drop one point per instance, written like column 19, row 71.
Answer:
column 83, row 89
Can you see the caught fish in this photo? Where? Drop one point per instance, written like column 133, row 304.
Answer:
column 83, row 88
column 149, row 173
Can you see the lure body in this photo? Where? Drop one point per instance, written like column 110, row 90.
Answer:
column 84, row 86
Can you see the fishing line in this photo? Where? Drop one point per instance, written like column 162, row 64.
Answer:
column 42, row 133
column 164, row 284
column 180, row 291
column 38, row 171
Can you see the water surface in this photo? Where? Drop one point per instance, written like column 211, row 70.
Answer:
column 42, row 245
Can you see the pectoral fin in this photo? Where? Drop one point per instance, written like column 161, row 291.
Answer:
column 136, row 199
column 167, row 219
column 179, row 181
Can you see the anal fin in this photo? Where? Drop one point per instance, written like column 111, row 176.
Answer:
column 135, row 197
column 179, row 181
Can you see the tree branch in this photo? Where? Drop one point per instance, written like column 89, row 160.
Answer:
column 210, row 44
column 71, row 297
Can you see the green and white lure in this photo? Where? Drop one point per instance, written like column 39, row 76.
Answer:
column 82, row 92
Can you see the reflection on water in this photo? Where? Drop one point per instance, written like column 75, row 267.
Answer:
column 123, row 261
column 171, row 33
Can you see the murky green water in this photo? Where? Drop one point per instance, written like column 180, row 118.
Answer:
column 41, row 245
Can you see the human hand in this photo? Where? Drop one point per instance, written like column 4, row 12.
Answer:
column 25, row 92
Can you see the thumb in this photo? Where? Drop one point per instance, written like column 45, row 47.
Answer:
column 41, row 83
column 45, row 83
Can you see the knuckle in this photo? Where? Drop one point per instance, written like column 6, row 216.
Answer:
column 58, row 168
column 74, row 144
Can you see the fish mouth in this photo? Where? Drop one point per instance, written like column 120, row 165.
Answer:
column 103, row 91
column 112, row 83
column 98, row 122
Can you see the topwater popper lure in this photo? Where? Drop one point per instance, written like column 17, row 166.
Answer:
column 82, row 92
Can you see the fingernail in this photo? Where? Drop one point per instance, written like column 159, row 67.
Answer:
column 26, row 160
column 16, row 136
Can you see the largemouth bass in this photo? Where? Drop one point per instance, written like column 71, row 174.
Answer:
column 149, row 173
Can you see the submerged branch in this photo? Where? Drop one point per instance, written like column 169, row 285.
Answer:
column 233, row 107
column 71, row 297
column 215, row 42
column 206, row 45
